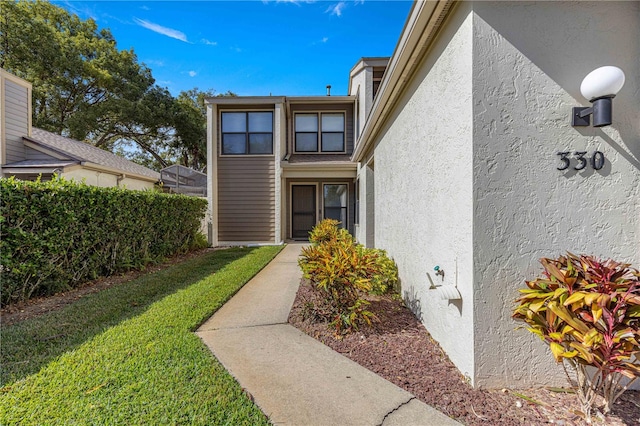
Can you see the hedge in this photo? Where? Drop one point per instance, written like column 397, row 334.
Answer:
column 58, row 234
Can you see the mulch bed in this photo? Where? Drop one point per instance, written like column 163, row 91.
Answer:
column 400, row 349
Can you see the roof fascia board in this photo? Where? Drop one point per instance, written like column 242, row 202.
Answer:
column 318, row 166
column 33, row 170
column 419, row 32
column 242, row 100
column 320, row 99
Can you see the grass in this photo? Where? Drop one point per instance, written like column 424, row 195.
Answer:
column 128, row 355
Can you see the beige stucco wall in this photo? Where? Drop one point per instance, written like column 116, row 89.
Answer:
column 423, row 190
column 105, row 180
column 529, row 60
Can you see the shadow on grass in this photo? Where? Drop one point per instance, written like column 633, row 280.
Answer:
column 29, row 345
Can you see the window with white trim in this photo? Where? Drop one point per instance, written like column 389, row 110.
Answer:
column 319, row 132
column 247, row 133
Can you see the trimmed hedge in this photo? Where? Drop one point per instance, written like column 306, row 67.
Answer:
column 55, row 235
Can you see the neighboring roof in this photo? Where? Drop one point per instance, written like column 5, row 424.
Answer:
column 85, row 153
column 44, row 163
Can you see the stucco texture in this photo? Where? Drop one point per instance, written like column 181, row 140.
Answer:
column 423, row 191
column 466, row 171
column 529, row 60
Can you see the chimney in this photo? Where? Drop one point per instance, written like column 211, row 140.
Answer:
column 328, row 90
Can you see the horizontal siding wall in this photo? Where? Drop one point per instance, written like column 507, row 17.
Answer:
column 32, row 154
column 346, row 108
column 246, row 199
column 16, row 116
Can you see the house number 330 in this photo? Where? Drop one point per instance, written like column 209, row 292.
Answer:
column 596, row 160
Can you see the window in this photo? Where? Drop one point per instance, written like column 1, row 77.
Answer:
column 335, row 203
column 247, row 133
column 325, row 129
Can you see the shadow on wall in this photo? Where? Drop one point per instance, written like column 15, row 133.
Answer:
column 584, row 51
column 412, row 300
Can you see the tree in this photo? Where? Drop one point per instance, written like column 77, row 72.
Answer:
column 87, row 89
column 191, row 126
column 81, row 81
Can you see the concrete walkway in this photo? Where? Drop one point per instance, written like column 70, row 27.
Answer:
column 294, row 379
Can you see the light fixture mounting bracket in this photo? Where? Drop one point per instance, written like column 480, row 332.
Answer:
column 581, row 116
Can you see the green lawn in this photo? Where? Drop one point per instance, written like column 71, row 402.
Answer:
column 128, row 355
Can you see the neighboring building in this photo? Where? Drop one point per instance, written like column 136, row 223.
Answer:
column 277, row 165
column 455, row 164
column 28, row 152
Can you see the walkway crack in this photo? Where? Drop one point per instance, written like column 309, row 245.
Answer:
column 244, row 326
column 396, row 409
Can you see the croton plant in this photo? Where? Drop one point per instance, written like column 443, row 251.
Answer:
column 588, row 312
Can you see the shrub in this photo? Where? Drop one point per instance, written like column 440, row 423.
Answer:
column 342, row 270
column 384, row 276
column 588, row 312
column 55, row 235
column 328, row 230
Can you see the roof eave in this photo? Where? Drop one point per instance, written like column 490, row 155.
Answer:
column 425, row 19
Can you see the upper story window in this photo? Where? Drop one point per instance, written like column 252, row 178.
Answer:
column 247, row 133
column 319, row 132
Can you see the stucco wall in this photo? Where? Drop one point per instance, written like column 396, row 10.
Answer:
column 359, row 87
column 423, row 189
column 529, row 60
column 92, row 177
column 105, row 180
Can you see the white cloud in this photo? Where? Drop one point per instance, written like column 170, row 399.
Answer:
column 155, row 62
column 192, row 73
column 169, row 32
column 325, row 39
column 337, row 8
column 209, row 42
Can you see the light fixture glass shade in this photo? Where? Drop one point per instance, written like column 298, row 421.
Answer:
column 603, row 81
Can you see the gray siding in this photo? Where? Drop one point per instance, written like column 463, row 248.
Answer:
column 246, row 199
column 32, row 154
column 16, row 119
column 348, row 110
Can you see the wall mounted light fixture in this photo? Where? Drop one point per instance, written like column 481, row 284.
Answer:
column 600, row 86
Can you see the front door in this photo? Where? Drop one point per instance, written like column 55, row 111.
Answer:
column 303, row 210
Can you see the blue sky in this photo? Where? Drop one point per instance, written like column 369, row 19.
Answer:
column 253, row 48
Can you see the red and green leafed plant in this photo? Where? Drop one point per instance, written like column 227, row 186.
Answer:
column 588, row 312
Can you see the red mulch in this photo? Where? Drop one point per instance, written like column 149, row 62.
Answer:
column 400, row 349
